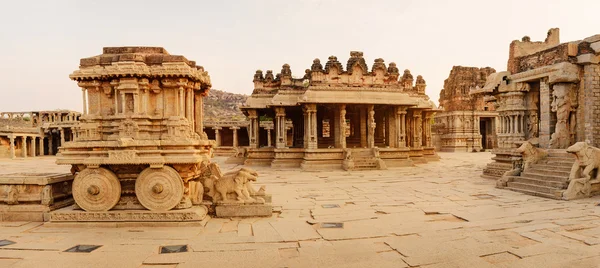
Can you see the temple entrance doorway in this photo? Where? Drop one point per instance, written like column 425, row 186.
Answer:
column 486, row 132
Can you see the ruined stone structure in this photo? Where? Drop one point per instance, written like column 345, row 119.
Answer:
column 355, row 118
column 30, row 134
column 31, row 196
column 140, row 142
column 467, row 123
column 548, row 96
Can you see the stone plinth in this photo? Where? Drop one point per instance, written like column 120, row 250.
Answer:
column 70, row 214
column 30, row 196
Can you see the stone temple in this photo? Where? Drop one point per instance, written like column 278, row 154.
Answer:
column 334, row 117
column 548, row 98
column 466, row 123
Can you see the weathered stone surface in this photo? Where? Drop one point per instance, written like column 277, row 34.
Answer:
column 30, row 196
column 244, row 210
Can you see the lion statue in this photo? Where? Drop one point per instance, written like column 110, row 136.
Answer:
column 588, row 159
column 531, row 154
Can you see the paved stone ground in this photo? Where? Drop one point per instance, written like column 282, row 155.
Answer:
column 440, row 214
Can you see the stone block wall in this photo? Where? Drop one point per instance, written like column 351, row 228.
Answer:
column 591, row 81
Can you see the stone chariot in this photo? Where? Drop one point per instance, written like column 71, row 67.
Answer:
column 139, row 143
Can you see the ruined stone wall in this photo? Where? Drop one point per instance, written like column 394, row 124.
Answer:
column 455, row 94
column 527, row 47
column 550, row 56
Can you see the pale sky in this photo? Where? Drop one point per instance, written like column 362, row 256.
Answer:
column 41, row 42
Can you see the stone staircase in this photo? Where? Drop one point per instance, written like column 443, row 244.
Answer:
column 547, row 179
column 365, row 159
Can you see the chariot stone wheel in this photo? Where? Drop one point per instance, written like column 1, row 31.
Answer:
column 159, row 189
column 96, row 189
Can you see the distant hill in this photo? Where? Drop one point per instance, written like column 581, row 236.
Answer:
column 223, row 106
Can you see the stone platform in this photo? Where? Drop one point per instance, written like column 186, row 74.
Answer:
column 70, row 214
column 30, row 196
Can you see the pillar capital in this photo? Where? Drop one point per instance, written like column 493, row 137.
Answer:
column 309, row 108
column 217, row 128
column 234, row 128
column 252, row 114
column 279, row 111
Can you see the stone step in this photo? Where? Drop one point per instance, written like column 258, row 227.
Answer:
column 559, row 153
column 549, row 171
column 552, row 167
column 534, row 193
column 541, row 176
column 533, row 188
column 565, row 159
column 545, row 183
column 365, row 166
column 560, row 163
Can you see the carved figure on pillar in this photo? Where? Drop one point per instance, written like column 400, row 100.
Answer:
column 372, row 126
column 561, row 105
column 344, row 126
column 532, row 125
column 12, row 147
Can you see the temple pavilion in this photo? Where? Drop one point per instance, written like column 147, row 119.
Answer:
column 352, row 118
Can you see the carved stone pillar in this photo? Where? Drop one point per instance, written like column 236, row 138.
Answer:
column 83, row 91
column 145, row 102
column 62, row 136
column 198, row 114
column 546, row 118
column 235, row 136
column 269, row 137
column 123, row 101
column 427, row 129
column 33, row 143
column 343, row 126
column 12, row 146
column 41, row 145
column 418, row 130
column 310, row 126
column 24, row 146
column 136, row 103
column 280, row 131
column 217, row 136
column 371, row 125
column 188, row 104
column 116, row 100
column 50, row 144
column 561, row 105
column 401, row 126
column 253, row 128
